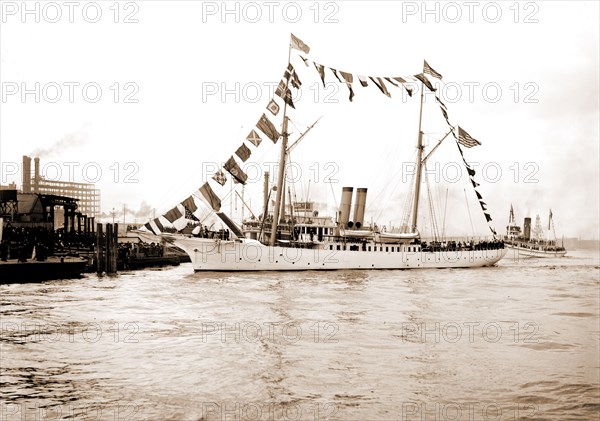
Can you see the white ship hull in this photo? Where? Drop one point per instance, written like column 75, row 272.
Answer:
column 218, row 255
column 525, row 252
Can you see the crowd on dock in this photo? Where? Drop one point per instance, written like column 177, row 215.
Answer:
column 21, row 243
column 128, row 250
column 38, row 243
column 24, row 243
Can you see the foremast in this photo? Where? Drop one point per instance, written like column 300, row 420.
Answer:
column 281, row 170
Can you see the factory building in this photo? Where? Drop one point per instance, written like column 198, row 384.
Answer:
column 86, row 194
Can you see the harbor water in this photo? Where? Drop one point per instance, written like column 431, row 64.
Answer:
column 518, row 341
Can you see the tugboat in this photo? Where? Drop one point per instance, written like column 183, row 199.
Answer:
column 530, row 243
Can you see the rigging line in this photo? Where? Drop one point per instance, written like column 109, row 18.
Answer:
column 168, row 197
column 206, row 213
column 333, row 194
column 431, row 217
column 223, row 199
column 302, row 134
column 437, row 145
column 469, row 211
column 438, row 196
column 291, row 184
column 411, row 196
column 244, row 205
column 408, row 204
column 434, row 225
column 291, row 187
column 444, row 220
column 300, row 138
column 393, row 189
column 295, row 212
column 386, row 159
column 388, row 198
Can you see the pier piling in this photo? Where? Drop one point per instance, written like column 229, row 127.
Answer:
column 100, row 262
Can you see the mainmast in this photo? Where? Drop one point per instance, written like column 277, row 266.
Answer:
column 419, row 166
column 281, row 173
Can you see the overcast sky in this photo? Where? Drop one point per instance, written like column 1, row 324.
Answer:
column 173, row 87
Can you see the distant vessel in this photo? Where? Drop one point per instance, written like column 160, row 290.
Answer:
column 296, row 237
column 530, row 242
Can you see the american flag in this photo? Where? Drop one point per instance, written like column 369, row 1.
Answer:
column 220, row 177
column 466, row 140
column 427, row 69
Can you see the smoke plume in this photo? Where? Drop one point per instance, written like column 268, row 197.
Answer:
column 78, row 138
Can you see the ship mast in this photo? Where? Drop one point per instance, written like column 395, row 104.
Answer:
column 419, row 167
column 281, row 172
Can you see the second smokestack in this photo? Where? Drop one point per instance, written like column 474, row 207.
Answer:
column 527, row 228
column 36, row 174
column 359, row 207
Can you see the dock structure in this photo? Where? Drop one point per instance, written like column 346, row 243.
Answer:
column 107, row 245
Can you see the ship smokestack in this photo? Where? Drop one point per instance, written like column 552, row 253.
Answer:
column 26, row 174
column 36, row 176
column 359, row 207
column 345, row 204
column 527, row 228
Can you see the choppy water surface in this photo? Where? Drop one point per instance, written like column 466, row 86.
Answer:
column 516, row 341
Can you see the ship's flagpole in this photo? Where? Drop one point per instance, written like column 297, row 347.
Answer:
column 419, row 164
column 281, row 173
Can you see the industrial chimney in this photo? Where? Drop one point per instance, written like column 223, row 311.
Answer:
column 527, row 228
column 26, row 174
column 36, row 174
column 359, row 207
column 345, row 204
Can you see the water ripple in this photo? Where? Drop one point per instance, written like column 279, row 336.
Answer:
column 521, row 338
